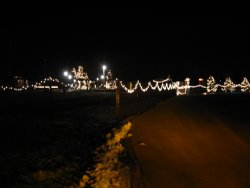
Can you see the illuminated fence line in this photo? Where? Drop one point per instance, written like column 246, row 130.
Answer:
column 49, row 81
column 211, row 87
column 36, row 85
column 182, row 90
column 224, row 87
column 162, row 85
column 228, row 85
column 159, row 85
column 6, row 88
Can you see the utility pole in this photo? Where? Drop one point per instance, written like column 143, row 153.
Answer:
column 10, row 58
column 117, row 96
column 45, row 60
column 137, row 101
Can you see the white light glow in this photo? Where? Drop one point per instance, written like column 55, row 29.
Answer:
column 65, row 73
column 69, row 77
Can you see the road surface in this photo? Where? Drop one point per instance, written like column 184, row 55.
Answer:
column 194, row 141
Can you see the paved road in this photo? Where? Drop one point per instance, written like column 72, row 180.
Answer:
column 189, row 142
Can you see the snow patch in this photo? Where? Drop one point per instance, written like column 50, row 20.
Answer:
column 108, row 171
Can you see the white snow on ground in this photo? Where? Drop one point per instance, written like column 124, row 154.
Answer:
column 108, row 171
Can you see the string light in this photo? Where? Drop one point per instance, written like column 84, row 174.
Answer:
column 46, row 83
column 110, row 82
column 211, row 85
column 161, row 81
column 229, row 85
column 160, row 85
column 245, row 85
column 81, row 79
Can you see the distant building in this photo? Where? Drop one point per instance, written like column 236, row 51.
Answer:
column 19, row 82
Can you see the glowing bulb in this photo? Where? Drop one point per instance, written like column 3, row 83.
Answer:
column 69, row 77
column 65, row 73
column 102, row 77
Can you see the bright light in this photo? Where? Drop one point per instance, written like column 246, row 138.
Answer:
column 102, row 77
column 103, row 71
column 97, row 79
column 69, row 77
column 65, row 73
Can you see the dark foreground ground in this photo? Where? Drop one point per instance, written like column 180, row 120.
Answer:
column 194, row 141
column 48, row 140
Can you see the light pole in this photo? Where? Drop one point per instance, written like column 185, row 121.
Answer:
column 103, row 69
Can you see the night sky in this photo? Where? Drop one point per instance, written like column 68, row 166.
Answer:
column 135, row 43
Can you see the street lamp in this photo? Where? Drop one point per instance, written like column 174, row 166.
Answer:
column 102, row 77
column 65, row 73
column 69, row 77
column 103, row 69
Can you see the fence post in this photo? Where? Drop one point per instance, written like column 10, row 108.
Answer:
column 137, row 100
column 117, row 96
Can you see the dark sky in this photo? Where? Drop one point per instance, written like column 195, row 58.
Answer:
column 135, row 43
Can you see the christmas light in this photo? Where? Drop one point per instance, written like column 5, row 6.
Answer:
column 211, row 85
column 229, row 85
column 81, row 82
column 245, row 85
column 81, row 78
column 160, row 87
column 110, row 83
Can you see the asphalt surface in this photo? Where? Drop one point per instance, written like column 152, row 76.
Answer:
column 194, row 141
